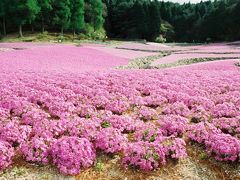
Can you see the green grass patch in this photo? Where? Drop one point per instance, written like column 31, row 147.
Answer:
column 143, row 62
column 99, row 165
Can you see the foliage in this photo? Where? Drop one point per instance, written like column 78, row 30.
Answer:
column 96, row 14
column 23, row 11
column 90, row 33
column 141, row 19
column 3, row 12
column 160, row 39
column 45, row 9
column 77, row 15
column 62, row 14
column 69, row 15
column 166, row 31
column 133, row 19
column 218, row 20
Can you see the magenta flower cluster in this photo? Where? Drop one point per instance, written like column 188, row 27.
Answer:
column 37, row 150
column 70, row 154
column 146, row 155
column 228, row 125
column 110, row 140
column 223, row 147
column 6, row 154
column 146, row 113
column 173, row 125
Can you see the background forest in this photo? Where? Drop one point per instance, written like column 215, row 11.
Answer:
column 217, row 20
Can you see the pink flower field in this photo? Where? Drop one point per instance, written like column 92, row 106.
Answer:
column 220, row 50
column 56, row 58
column 66, row 108
column 124, row 53
column 227, row 65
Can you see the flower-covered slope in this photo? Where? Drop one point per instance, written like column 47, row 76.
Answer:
column 52, row 112
column 58, row 58
column 142, row 115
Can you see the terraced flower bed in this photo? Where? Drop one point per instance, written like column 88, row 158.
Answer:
column 191, row 61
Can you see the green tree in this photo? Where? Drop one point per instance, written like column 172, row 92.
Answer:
column 120, row 18
column 154, row 19
column 167, row 31
column 138, row 21
column 23, row 11
column 61, row 14
column 97, row 14
column 202, row 9
column 77, row 15
column 33, row 10
column 3, row 14
column 45, row 9
column 218, row 19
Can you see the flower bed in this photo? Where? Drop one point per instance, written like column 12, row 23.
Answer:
column 65, row 118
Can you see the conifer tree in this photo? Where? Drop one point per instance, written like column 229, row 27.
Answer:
column 61, row 14
column 96, row 14
column 23, row 11
column 45, row 9
column 3, row 14
column 77, row 15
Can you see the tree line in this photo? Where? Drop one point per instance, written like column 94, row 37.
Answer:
column 153, row 20
column 70, row 15
column 217, row 20
column 205, row 21
column 134, row 19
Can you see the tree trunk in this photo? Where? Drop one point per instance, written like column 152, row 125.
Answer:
column 4, row 27
column 32, row 28
column 62, row 31
column 74, row 33
column 43, row 25
column 20, row 31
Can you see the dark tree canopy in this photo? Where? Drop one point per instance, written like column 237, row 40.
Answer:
column 44, row 14
column 3, row 13
column 53, row 15
column 77, row 15
column 217, row 20
column 62, row 13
